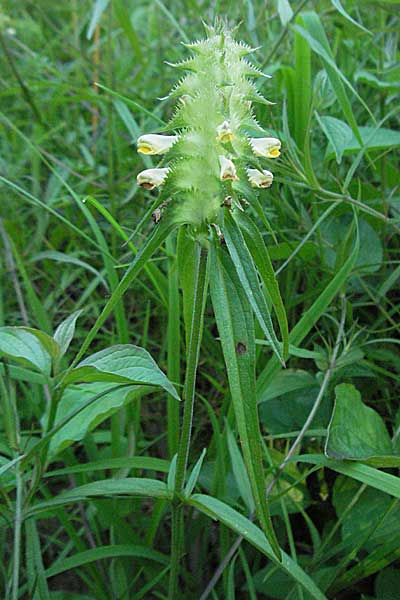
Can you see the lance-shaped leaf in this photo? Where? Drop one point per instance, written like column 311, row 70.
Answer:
column 216, row 509
column 236, row 329
column 247, row 274
column 260, row 255
column 123, row 363
column 25, row 347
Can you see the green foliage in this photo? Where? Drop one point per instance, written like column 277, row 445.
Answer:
column 109, row 486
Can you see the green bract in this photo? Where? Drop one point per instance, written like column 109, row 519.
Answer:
column 209, row 156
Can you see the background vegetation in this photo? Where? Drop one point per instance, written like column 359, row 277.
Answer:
column 69, row 199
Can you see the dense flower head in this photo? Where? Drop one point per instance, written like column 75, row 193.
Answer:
column 212, row 152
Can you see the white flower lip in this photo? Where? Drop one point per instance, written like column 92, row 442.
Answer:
column 260, row 179
column 268, row 147
column 228, row 169
column 224, row 132
column 154, row 143
column 151, row 178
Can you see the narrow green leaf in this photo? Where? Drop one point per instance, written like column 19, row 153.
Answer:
column 379, row 480
column 194, row 475
column 239, row 471
column 104, row 552
column 315, row 35
column 171, row 474
column 285, row 11
column 37, row 582
column 242, row 526
column 132, row 462
column 247, row 274
column 302, row 89
column 65, row 331
column 311, row 316
column 338, row 5
column 163, row 229
column 107, row 488
column 126, row 24
column 260, row 255
column 98, row 9
column 236, row 329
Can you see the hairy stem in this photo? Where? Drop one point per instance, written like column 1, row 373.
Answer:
column 196, row 328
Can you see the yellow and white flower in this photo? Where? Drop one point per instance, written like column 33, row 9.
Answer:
column 260, row 179
column 151, row 178
column 268, row 147
column 228, row 169
column 224, row 132
column 153, row 143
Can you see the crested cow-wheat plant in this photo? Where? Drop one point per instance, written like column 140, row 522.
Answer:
column 214, row 155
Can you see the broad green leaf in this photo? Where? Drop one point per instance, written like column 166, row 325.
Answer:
column 286, row 403
column 65, row 331
column 356, row 431
column 107, row 488
column 23, row 346
column 162, row 230
column 242, row 526
column 87, row 419
column 384, row 482
column 260, row 255
column 34, row 449
column 373, row 518
column 247, row 274
column 104, row 552
column 342, row 141
column 339, row 135
column 48, row 343
column 124, row 363
column 387, row 584
column 370, row 256
column 285, row 249
column 236, row 329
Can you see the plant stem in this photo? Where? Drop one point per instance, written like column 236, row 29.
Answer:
column 192, row 358
column 17, row 532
